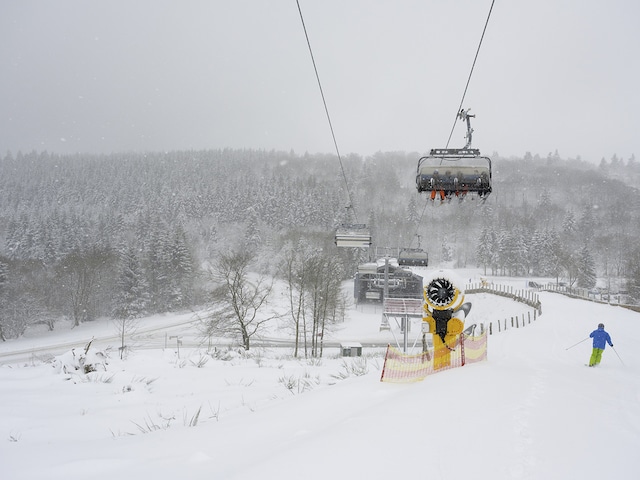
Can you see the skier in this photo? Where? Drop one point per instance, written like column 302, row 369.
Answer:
column 600, row 340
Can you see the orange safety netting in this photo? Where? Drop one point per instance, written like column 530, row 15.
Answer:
column 475, row 348
column 402, row 368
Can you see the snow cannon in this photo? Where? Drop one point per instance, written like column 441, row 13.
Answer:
column 444, row 314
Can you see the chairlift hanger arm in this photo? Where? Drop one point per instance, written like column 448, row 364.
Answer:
column 466, row 116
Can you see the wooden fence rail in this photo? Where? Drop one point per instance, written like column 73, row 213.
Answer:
column 526, row 297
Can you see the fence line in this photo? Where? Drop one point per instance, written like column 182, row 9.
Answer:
column 585, row 294
column 526, row 297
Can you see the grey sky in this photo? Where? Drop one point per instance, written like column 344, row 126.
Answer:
column 149, row 75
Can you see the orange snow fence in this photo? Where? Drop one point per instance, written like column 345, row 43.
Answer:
column 475, row 348
column 402, row 368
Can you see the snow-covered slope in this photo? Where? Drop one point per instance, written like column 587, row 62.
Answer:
column 532, row 411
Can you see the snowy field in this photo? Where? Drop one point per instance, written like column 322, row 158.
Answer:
column 532, row 411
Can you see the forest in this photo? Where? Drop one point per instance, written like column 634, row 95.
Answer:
column 85, row 237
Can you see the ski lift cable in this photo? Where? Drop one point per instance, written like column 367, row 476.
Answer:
column 460, row 106
column 424, row 209
column 326, row 109
column 470, row 74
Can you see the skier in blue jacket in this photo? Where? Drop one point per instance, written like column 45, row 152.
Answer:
column 600, row 340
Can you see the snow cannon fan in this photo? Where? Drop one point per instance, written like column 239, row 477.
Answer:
column 443, row 303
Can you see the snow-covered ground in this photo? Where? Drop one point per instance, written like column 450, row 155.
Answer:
column 532, row 411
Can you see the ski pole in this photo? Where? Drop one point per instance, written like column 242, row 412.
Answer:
column 577, row 343
column 618, row 356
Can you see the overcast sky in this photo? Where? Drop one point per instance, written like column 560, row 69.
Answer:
column 151, row 75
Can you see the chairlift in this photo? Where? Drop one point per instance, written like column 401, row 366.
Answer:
column 454, row 172
column 413, row 257
column 449, row 172
column 353, row 236
column 371, row 279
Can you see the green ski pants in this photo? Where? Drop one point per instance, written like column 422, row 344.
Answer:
column 596, row 356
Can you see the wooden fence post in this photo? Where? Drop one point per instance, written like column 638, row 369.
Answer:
column 530, row 298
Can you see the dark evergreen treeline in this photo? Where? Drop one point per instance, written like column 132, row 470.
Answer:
column 125, row 235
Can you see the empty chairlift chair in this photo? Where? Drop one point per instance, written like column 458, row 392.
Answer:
column 413, row 257
column 354, row 236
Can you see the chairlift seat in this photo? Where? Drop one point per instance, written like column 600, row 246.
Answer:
column 454, row 171
column 354, row 236
column 413, row 257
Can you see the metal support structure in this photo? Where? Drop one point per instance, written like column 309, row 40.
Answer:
column 402, row 310
column 466, row 116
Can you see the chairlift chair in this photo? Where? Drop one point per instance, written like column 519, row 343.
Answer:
column 413, row 257
column 446, row 172
column 353, row 236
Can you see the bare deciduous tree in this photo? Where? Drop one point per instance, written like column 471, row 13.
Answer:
column 294, row 273
column 238, row 305
column 81, row 271
column 325, row 302
column 125, row 328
